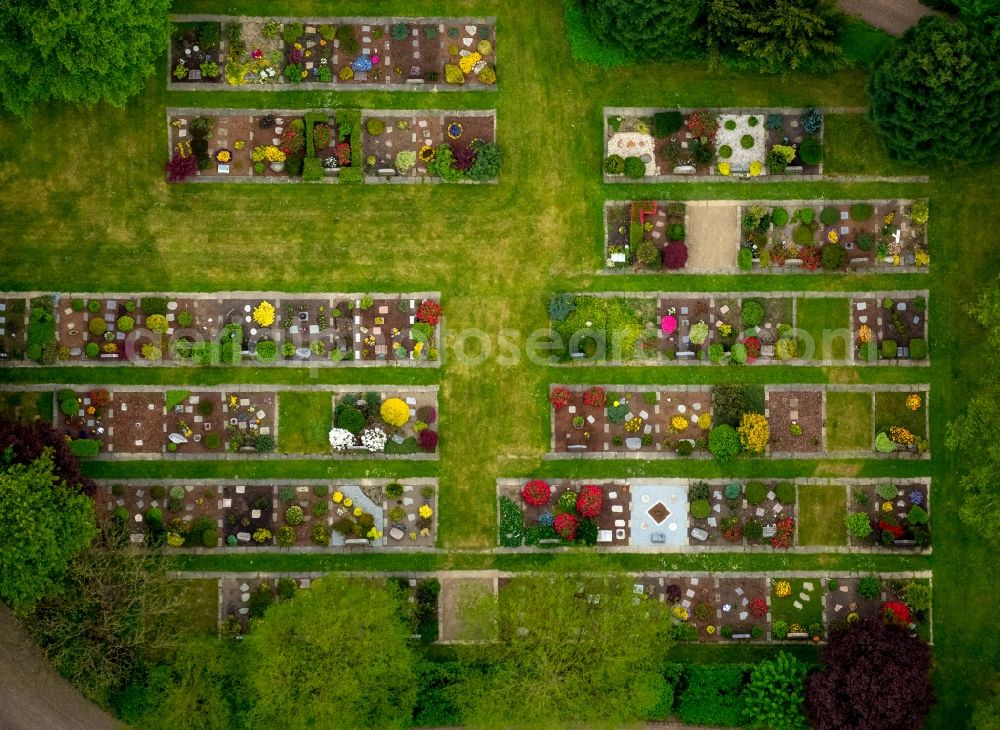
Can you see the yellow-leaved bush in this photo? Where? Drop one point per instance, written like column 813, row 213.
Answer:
column 263, row 314
column 395, row 412
column 754, row 432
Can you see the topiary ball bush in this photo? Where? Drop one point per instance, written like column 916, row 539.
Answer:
column 92, row 350
column 756, row 493
column 834, row 256
column 811, row 152
column 700, row 509
column 746, row 141
column 889, row 349
column 684, row 448
column 723, row 443
column 351, row 419
column 779, row 217
column 785, row 492
column 675, row 255
column 666, row 123
column 829, row 216
column 807, row 216
column 97, row 327
column 725, row 152
column 753, row 531
column 634, row 168
column 865, row 242
column 210, row 538
column 614, row 164
column 802, row 236
column 212, row 441
column 375, row 126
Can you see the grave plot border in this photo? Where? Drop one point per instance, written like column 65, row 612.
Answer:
column 321, row 85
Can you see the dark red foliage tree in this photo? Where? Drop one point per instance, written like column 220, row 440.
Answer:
column 428, row 439
column 875, row 676
column 22, row 443
column 675, row 255
column 536, row 493
column 180, row 168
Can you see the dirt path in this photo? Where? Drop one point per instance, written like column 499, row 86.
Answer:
column 892, row 16
column 713, row 235
column 32, row 694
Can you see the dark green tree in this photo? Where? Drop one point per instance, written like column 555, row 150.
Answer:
column 44, row 523
column 648, row 30
column 936, row 94
column 776, row 693
column 78, row 51
column 335, row 656
column 979, row 457
column 775, row 35
column 571, row 648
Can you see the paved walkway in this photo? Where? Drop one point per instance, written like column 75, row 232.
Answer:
column 892, row 16
column 32, row 694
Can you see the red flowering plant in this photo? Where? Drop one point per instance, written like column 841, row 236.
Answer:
column 590, row 501
column 536, row 493
column 810, row 258
column 594, row 397
column 343, row 152
column 703, row 124
column 758, row 607
column 429, row 311
column 896, row 530
column 559, row 397
column 565, row 525
column 896, row 612
column 292, row 142
column 784, row 533
column 753, row 348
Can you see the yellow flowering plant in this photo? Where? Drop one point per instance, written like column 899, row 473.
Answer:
column 902, row 436
column 680, row 613
column 263, row 314
column 725, row 169
column 887, row 506
column 756, row 168
column 679, row 423
column 921, row 258
column 754, row 432
column 425, row 511
column 358, row 512
column 782, row 589
column 338, row 497
column 467, row 63
column 395, row 412
column 704, row 421
column 725, row 329
column 174, row 540
column 913, row 401
column 865, row 333
column 832, row 236
column 633, row 425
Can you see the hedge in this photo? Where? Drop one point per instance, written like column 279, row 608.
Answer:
column 351, row 119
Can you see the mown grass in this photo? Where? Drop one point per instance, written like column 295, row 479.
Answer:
column 304, row 422
column 822, row 508
column 828, row 324
column 92, row 212
column 848, row 421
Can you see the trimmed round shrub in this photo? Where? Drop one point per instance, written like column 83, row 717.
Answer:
column 723, row 443
column 746, row 141
column 351, row 419
column 267, row 350
column 753, row 121
column 395, row 412
column 427, row 414
column 858, row 524
column 753, row 531
column 212, row 441
column 715, row 352
column 294, row 515
column 675, row 255
column 779, row 217
column 69, row 406
column 614, row 164
column 157, row 491
column 319, row 534
column 536, row 493
column 375, row 126
column 126, row 323
column 700, row 509
column 154, row 517
column 811, row 152
column 92, row 350
column 284, row 536
column 286, row 588
column 157, row 323
column 394, row 490
column 634, row 167
column 428, row 439
column 865, row 242
column 807, row 216
column 886, row 491
column 732, row 491
column 94, row 306
column 684, row 448
column 97, row 327
column 676, row 231
column 829, row 216
column 802, row 236
column 755, row 493
column 753, row 313
column 666, row 123
column 779, row 629
column 185, row 319
column 889, row 349
column 833, row 256
column 785, row 492
column 918, row 349
column 210, row 538
column 725, row 152
column 730, row 124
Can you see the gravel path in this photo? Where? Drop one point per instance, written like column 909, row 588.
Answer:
column 32, row 694
column 892, row 16
column 713, row 235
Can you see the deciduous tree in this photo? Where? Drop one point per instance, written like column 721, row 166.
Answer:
column 653, row 29
column 776, row 693
column 80, row 51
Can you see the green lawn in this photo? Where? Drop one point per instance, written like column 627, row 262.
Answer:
column 496, row 252
column 304, row 422
column 891, row 410
column 811, row 611
column 199, row 601
column 822, row 508
column 26, row 407
column 848, row 421
column 825, row 327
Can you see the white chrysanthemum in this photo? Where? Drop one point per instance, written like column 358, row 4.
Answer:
column 374, row 439
column 341, row 438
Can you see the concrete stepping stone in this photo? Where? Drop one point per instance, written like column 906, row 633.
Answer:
column 808, row 585
column 797, row 605
column 804, row 596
